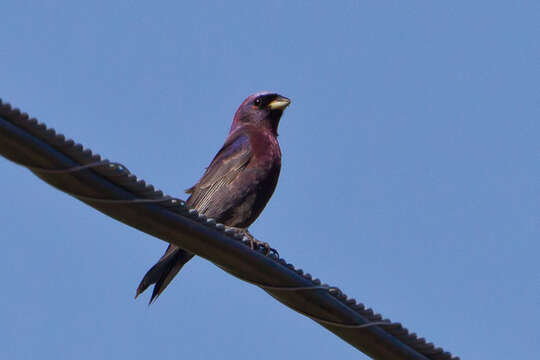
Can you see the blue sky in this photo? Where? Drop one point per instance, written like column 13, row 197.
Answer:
column 410, row 172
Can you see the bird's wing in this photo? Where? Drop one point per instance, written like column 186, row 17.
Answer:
column 224, row 168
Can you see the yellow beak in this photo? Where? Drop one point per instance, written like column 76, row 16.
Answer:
column 279, row 103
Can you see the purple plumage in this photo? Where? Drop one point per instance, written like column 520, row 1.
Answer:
column 237, row 184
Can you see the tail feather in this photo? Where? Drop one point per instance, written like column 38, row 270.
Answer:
column 162, row 273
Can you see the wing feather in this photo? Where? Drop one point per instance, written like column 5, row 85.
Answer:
column 228, row 163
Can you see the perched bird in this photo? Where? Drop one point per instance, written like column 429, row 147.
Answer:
column 237, row 184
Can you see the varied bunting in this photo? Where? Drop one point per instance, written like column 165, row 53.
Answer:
column 236, row 186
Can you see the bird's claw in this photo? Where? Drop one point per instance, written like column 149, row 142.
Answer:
column 256, row 244
column 267, row 249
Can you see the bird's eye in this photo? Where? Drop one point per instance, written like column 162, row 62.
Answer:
column 258, row 101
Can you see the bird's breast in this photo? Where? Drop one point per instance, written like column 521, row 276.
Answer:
column 265, row 150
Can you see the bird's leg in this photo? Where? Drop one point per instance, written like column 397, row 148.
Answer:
column 254, row 242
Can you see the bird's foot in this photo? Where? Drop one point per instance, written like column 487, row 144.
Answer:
column 255, row 244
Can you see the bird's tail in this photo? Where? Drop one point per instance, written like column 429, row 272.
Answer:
column 164, row 271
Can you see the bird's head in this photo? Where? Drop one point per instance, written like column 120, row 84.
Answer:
column 262, row 109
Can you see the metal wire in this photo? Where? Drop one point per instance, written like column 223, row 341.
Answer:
column 167, row 198
column 95, row 199
column 25, row 139
column 113, row 165
column 313, row 317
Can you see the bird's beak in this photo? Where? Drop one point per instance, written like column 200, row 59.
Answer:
column 279, row 103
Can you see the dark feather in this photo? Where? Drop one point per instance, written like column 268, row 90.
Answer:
column 237, row 184
column 164, row 271
column 210, row 194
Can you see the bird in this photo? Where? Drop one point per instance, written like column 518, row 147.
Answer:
column 237, row 184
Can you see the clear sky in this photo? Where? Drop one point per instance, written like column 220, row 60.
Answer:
column 410, row 172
